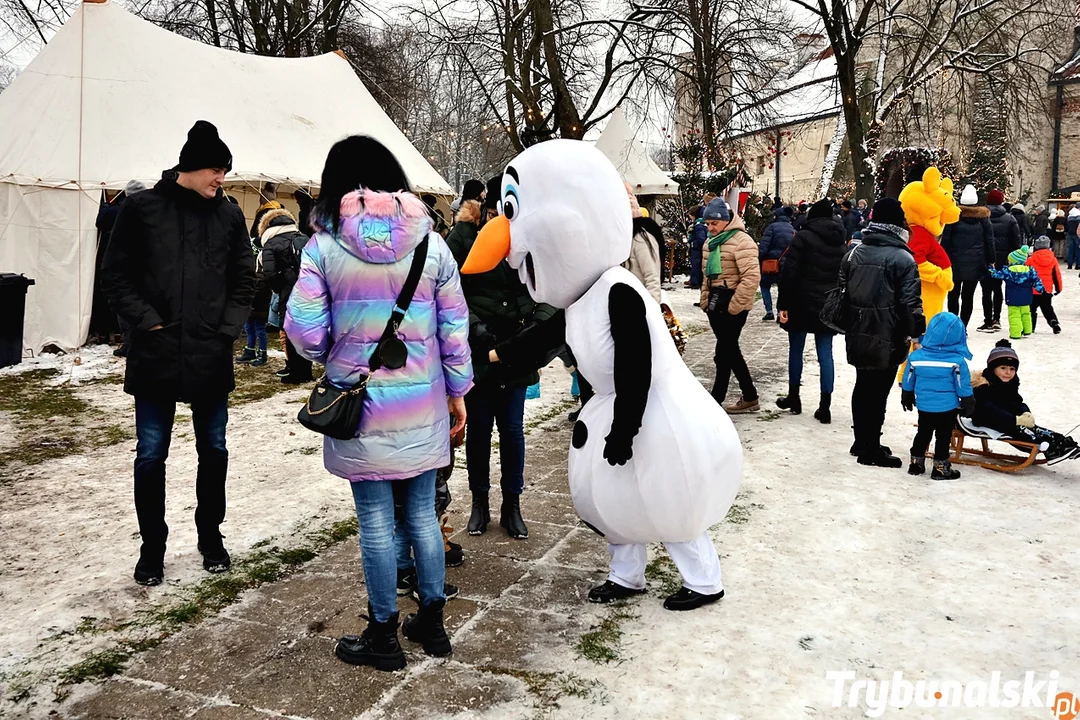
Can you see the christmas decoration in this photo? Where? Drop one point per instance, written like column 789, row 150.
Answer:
column 987, row 167
column 900, row 166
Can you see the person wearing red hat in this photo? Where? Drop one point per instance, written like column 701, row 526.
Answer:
column 1006, row 239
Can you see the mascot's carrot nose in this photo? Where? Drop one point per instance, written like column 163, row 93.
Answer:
column 492, row 246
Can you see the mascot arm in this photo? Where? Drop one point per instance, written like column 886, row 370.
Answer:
column 633, row 370
column 931, row 274
column 536, row 345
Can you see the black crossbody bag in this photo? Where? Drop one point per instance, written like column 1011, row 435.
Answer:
column 335, row 412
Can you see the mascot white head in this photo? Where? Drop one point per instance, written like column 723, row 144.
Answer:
column 559, row 249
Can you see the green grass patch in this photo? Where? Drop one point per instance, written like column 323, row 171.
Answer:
column 547, row 687
column 740, row 514
column 30, row 396
column 602, row 644
column 664, row 575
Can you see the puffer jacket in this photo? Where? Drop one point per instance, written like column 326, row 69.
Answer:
column 1072, row 222
column 348, row 285
column 776, row 238
column 883, row 299
column 1006, row 234
column 282, row 245
column 1046, row 265
column 644, row 260
column 969, row 243
column 739, row 269
column 810, row 270
column 938, row 371
column 500, row 309
column 997, row 403
column 1021, row 284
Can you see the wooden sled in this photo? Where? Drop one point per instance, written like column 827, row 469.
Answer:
column 987, row 458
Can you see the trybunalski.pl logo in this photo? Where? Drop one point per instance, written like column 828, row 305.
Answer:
column 897, row 693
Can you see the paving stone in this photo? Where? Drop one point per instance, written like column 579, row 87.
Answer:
column 447, row 690
column 486, row 577
column 209, row 658
column 230, row 712
column 521, row 639
column 301, row 677
column 311, row 603
column 554, row 482
column 553, row 588
column 496, row 542
column 583, row 549
column 125, row 699
column 342, row 558
column 548, row 508
column 458, row 612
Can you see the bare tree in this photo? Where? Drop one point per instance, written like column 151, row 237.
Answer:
column 909, row 44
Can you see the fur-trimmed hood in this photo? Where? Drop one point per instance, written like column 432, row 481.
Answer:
column 381, row 227
column 276, row 217
column 977, row 379
column 469, row 212
column 974, row 211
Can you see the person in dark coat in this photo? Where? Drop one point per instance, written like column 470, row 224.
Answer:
column 1006, row 239
column 180, row 271
column 699, row 234
column 1058, row 223
column 883, row 311
column 852, row 218
column 268, row 195
column 810, row 270
column 969, row 243
column 500, row 309
column 254, row 353
column 774, row 243
column 1072, row 240
column 799, row 219
column 1041, row 222
column 1019, row 212
column 283, row 244
column 106, row 218
column 306, row 203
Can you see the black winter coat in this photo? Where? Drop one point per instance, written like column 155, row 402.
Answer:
column 997, row 403
column 500, row 309
column 969, row 242
column 883, row 301
column 183, row 262
column 1040, row 224
column 281, row 257
column 1006, row 234
column 852, row 221
column 810, row 270
column 1023, row 225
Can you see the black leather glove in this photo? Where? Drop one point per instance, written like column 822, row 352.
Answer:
column 967, row 406
column 907, row 399
column 618, row 449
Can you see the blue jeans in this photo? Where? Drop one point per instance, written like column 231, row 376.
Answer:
column 256, row 333
column 488, row 405
column 767, row 281
column 153, row 428
column 1073, row 259
column 823, row 342
column 378, row 539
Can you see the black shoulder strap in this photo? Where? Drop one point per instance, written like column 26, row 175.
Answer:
column 404, row 299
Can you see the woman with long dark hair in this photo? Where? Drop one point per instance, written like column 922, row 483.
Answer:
column 368, row 227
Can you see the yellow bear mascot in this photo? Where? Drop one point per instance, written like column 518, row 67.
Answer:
column 928, row 207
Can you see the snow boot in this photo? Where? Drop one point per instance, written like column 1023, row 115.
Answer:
column 791, row 402
column 917, row 466
column 480, row 516
column 510, row 517
column 377, row 646
column 426, row 627
column 1057, row 326
column 856, row 449
column 150, row 570
column 260, row 359
column 215, row 557
column 880, row 458
column 247, row 356
column 943, row 470
column 824, row 412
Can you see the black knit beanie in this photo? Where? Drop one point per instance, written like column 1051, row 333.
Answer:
column 494, row 193
column 472, row 190
column 820, row 209
column 887, row 211
column 204, row 149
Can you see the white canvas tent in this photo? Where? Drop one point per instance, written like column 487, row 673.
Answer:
column 631, row 159
column 111, row 98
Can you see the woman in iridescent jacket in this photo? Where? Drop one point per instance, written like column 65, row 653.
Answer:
column 368, row 225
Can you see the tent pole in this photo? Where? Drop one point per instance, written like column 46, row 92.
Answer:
column 79, row 187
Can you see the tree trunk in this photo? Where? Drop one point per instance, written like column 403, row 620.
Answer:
column 567, row 119
column 211, row 16
column 862, row 148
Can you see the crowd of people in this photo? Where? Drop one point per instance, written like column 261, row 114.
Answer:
column 187, row 276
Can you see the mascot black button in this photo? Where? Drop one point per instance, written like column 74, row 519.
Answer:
column 580, row 436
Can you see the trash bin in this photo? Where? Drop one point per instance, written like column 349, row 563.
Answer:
column 12, row 310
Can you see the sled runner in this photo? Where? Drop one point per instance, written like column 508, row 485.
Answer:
column 985, row 457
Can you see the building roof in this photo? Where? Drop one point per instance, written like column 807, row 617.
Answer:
column 112, row 96
column 810, row 91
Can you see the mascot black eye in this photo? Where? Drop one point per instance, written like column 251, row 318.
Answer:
column 510, row 203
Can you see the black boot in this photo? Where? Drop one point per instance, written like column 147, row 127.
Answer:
column 880, row 458
column 943, row 470
column 510, row 517
column 215, row 557
column 150, row 570
column 426, row 627
column 791, row 401
column 917, row 466
column 824, row 413
column 377, row 646
column 480, row 516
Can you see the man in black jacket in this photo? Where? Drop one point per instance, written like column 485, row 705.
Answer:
column 883, row 299
column 283, row 244
column 180, row 271
column 969, row 244
column 1006, row 239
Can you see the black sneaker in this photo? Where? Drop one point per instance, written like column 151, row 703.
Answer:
column 455, row 556
column 687, row 599
column 986, row 327
column 769, row 317
column 283, row 372
column 406, row 585
column 150, row 571
column 215, row 558
column 997, row 325
column 612, row 591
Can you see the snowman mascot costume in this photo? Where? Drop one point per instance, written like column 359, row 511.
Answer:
column 653, row 458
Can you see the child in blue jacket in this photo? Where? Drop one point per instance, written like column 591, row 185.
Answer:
column 937, row 381
column 1021, row 282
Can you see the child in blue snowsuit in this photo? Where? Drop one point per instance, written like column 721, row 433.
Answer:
column 1021, row 282
column 937, row 382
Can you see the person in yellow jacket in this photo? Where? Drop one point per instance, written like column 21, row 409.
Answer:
column 929, row 206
